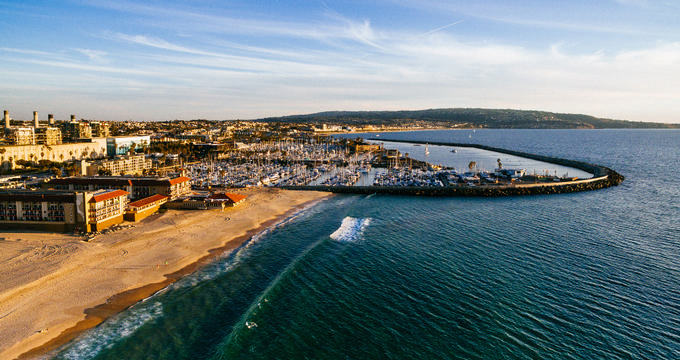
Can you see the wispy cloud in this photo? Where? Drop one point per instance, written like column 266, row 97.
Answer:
column 93, row 55
column 441, row 28
column 27, row 51
column 260, row 64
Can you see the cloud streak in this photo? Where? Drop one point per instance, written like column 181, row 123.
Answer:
column 227, row 63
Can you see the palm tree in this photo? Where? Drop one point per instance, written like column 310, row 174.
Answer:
column 472, row 165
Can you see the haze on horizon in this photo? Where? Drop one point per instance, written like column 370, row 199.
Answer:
column 152, row 60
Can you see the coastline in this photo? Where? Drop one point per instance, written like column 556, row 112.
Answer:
column 78, row 285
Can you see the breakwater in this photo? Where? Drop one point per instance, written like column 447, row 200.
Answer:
column 603, row 177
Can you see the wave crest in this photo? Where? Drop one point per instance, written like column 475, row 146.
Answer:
column 351, row 229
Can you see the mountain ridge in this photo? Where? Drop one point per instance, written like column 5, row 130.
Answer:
column 468, row 117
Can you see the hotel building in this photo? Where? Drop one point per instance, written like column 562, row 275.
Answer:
column 62, row 211
column 137, row 187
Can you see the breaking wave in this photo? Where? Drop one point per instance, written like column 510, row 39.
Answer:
column 350, row 230
column 111, row 331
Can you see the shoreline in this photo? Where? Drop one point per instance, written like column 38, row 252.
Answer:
column 85, row 315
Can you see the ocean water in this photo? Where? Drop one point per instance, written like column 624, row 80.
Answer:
column 592, row 275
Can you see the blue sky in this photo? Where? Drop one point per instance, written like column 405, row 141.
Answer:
column 164, row 60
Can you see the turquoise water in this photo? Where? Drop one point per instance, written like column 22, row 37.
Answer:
column 571, row 276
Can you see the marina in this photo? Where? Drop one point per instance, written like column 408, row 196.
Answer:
column 334, row 166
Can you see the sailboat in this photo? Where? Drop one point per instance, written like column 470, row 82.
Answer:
column 427, row 150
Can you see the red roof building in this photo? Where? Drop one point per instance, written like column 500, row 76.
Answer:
column 232, row 198
column 138, row 187
column 140, row 209
column 140, row 204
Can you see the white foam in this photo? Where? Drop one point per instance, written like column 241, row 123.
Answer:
column 351, row 229
column 104, row 336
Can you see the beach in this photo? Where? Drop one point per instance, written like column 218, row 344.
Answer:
column 54, row 286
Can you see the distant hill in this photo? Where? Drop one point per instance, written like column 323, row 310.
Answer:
column 463, row 117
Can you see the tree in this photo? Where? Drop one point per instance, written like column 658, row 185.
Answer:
column 71, row 169
column 472, row 165
column 500, row 165
column 56, row 171
column 23, row 163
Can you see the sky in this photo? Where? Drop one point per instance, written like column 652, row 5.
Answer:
column 247, row 59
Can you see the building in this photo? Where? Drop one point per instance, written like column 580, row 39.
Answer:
column 61, row 210
column 227, row 198
column 93, row 149
column 75, row 130
column 105, row 208
column 48, row 136
column 100, row 129
column 121, row 145
column 20, row 136
column 122, row 165
column 208, row 202
column 140, row 209
column 510, row 173
column 137, row 187
column 359, row 148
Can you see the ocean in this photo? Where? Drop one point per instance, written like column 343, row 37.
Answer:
column 591, row 275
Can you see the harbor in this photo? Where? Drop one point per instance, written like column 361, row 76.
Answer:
column 339, row 167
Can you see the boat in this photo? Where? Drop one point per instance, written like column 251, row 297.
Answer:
column 427, row 150
column 454, row 151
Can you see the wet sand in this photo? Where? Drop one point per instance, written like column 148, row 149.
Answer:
column 54, row 286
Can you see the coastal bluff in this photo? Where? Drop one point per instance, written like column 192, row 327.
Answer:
column 603, row 177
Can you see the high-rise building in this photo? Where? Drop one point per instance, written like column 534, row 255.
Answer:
column 99, row 129
column 75, row 130
column 20, row 136
column 48, row 136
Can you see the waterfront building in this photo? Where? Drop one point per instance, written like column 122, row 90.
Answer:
column 138, row 187
column 140, row 209
column 509, row 173
column 208, row 202
column 359, row 148
column 227, row 198
column 61, row 211
column 105, row 209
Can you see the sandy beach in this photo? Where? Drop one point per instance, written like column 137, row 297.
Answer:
column 53, row 286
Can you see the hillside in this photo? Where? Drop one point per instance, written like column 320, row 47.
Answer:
column 463, row 117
